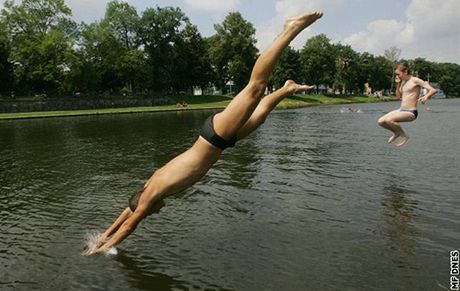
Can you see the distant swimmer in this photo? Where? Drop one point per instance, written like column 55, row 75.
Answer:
column 350, row 109
column 408, row 89
column 244, row 114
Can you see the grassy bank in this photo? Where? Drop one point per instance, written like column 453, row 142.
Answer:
column 196, row 103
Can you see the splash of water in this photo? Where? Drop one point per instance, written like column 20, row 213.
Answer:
column 91, row 240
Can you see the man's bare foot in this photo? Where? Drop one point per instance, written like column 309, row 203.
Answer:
column 393, row 138
column 299, row 23
column 293, row 87
column 403, row 140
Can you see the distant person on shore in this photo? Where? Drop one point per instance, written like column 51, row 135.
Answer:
column 244, row 114
column 181, row 104
column 408, row 90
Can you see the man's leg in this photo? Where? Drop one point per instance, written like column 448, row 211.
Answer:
column 384, row 122
column 267, row 104
column 228, row 122
column 391, row 122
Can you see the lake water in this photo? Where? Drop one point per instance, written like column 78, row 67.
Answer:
column 314, row 200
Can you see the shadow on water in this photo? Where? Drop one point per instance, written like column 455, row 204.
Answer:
column 240, row 164
column 141, row 276
column 399, row 216
column 289, row 208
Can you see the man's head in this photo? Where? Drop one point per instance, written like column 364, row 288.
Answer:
column 402, row 71
column 134, row 200
column 154, row 208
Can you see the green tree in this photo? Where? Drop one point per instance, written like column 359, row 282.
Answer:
column 421, row 68
column 6, row 67
column 289, row 67
column 381, row 77
column 319, row 59
column 109, row 59
column 392, row 54
column 350, row 69
column 448, row 77
column 365, row 70
column 41, row 35
column 194, row 68
column 160, row 35
column 123, row 23
column 95, row 67
column 233, row 51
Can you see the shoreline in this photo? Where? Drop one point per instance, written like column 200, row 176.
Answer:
column 295, row 101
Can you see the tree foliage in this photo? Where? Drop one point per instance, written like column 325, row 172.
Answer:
column 6, row 67
column 392, row 54
column 160, row 34
column 351, row 69
column 41, row 38
column 319, row 60
column 289, row 67
column 195, row 64
column 43, row 51
column 233, row 51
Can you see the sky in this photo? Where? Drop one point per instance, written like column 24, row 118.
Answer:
column 420, row 28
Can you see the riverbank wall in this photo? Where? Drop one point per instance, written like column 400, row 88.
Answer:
column 20, row 106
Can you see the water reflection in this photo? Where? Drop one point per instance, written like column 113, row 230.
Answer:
column 140, row 276
column 240, row 164
column 399, row 217
column 286, row 207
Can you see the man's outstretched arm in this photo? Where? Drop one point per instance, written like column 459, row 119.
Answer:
column 123, row 231
column 112, row 229
column 123, row 226
column 116, row 225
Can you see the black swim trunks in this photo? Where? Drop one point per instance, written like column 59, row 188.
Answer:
column 413, row 111
column 209, row 134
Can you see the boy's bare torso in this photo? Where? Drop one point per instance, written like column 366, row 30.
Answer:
column 410, row 93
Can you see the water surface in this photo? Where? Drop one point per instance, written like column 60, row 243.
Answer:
column 314, row 200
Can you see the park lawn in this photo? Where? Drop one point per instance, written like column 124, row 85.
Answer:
column 195, row 103
column 296, row 101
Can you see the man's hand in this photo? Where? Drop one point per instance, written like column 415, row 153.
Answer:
column 89, row 252
column 91, row 249
column 103, row 243
column 102, row 239
column 423, row 99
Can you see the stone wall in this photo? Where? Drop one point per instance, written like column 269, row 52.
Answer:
column 14, row 106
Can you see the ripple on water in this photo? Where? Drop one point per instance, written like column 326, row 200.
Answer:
column 313, row 190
